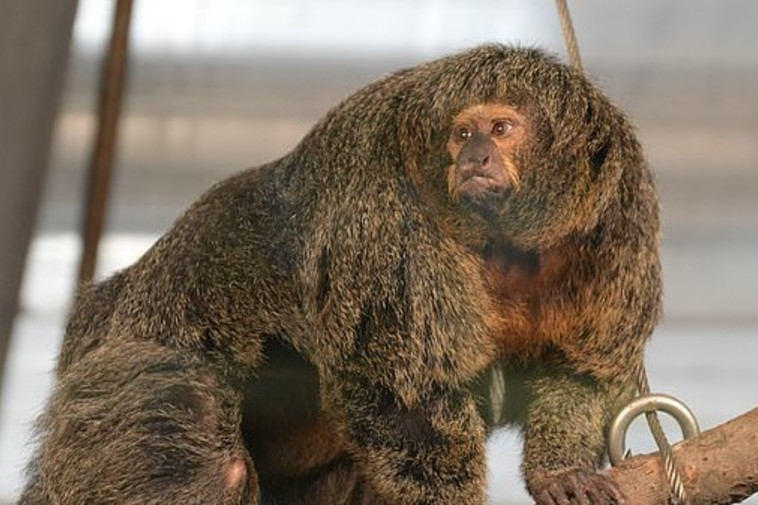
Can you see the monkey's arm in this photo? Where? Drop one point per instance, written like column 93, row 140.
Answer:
column 565, row 423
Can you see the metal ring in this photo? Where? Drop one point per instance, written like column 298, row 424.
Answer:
column 648, row 403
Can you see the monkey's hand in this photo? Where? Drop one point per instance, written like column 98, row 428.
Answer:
column 432, row 452
column 577, row 487
column 567, row 415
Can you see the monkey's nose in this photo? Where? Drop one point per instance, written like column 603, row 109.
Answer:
column 478, row 160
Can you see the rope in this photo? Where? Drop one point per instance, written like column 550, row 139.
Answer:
column 568, row 34
column 676, row 486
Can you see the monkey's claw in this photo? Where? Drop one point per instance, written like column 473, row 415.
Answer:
column 579, row 487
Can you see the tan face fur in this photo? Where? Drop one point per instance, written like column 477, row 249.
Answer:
column 483, row 141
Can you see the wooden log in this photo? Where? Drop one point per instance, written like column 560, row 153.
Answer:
column 720, row 466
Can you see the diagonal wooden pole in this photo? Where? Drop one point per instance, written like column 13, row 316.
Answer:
column 112, row 84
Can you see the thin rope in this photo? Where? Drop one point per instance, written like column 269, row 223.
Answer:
column 568, row 34
column 676, row 486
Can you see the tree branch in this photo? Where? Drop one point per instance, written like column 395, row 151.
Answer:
column 718, row 467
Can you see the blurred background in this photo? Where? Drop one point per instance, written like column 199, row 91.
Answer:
column 216, row 86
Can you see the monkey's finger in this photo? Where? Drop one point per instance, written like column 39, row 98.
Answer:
column 591, row 490
column 579, row 488
column 558, row 492
column 608, row 488
column 597, row 497
column 614, row 493
column 544, row 498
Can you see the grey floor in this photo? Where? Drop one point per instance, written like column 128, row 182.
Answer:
column 686, row 71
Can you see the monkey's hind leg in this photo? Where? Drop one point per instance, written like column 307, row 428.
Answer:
column 139, row 423
column 429, row 452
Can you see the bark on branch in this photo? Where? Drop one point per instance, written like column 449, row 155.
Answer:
column 718, row 467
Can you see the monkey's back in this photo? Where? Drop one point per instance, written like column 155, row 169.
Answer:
column 223, row 275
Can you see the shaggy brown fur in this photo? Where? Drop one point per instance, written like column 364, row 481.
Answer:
column 325, row 318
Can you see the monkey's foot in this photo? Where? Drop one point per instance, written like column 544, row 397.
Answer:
column 579, row 487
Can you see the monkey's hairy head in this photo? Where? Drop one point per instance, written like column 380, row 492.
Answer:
column 567, row 166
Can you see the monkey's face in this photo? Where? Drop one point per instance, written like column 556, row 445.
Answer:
column 483, row 141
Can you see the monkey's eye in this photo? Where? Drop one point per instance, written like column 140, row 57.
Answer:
column 462, row 133
column 501, row 127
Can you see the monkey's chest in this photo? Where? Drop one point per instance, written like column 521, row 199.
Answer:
column 522, row 277
column 522, row 285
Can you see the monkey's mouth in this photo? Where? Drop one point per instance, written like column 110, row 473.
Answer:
column 477, row 185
